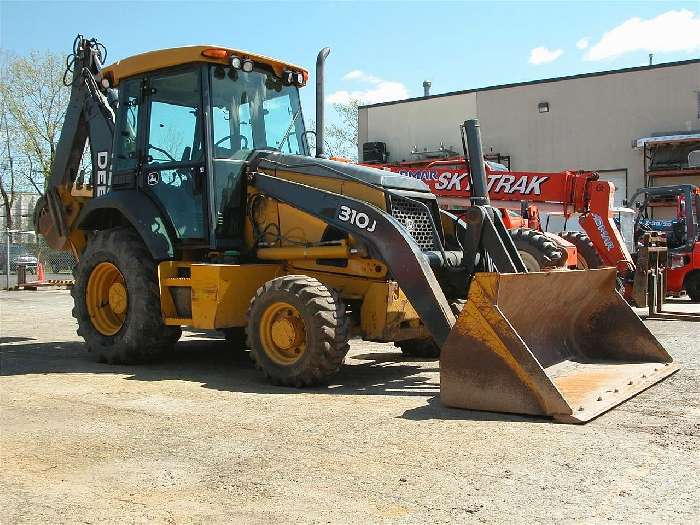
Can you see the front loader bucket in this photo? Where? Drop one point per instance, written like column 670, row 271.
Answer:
column 561, row 344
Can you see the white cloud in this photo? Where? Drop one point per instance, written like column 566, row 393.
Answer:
column 582, row 43
column 379, row 90
column 542, row 55
column 358, row 74
column 670, row 31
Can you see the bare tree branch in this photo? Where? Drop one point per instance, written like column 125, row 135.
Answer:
column 341, row 136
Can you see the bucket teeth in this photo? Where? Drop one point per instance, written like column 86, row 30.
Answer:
column 560, row 344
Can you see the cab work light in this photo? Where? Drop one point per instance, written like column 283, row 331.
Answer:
column 294, row 77
column 215, row 52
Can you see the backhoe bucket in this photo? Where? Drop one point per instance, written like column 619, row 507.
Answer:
column 561, row 344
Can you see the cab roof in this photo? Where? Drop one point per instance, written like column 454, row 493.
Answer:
column 163, row 58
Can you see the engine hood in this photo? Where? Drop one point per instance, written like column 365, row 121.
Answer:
column 272, row 161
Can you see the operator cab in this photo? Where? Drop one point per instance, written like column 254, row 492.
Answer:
column 683, row 230
column 184, row 133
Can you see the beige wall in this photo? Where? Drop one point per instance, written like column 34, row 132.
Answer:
column 423, row 123
column 591, row 123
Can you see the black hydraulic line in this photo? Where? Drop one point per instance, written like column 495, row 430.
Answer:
column 89, row 115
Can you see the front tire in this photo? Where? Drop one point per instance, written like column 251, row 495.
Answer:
column 297, row 331
column 537, row 251
column 117, row 300
column 587, row 257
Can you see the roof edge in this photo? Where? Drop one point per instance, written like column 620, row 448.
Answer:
column 533, row 82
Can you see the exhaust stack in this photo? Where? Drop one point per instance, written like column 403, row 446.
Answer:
column 320, row 99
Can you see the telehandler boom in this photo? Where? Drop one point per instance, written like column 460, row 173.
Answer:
column 580, row 192
column 205, row 209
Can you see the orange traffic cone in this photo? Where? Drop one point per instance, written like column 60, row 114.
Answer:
column 40, row 275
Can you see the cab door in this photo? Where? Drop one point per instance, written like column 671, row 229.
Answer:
column 173, row 170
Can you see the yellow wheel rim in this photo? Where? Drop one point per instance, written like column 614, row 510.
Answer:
column 106, row 298
column 282, row 333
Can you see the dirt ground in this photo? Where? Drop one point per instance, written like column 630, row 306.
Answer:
column 203, row 438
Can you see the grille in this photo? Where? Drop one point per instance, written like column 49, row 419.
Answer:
column 416, row 220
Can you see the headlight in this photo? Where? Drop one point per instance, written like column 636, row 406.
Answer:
column 293, row 77
column 236, row 62
column 247, row 66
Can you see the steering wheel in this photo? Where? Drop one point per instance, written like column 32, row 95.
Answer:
column 170, row 157
column 244, row 140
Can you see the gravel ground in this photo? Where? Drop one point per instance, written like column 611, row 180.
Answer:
column 202, row 438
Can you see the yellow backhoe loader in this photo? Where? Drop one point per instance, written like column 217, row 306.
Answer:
column 204, row 208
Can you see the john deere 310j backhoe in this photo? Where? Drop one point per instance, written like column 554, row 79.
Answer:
column 203, row 208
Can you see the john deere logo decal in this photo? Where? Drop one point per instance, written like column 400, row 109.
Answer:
column 153, row 178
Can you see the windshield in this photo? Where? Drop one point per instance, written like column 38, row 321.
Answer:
column 254, row 111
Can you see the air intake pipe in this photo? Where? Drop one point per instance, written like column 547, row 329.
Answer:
column 477, row 169
column 320, row 107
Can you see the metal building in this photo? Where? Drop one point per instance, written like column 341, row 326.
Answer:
column 636, row 126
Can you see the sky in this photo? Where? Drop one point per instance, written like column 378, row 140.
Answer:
column 380, row 50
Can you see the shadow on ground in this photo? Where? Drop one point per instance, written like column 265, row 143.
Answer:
column 213, row 364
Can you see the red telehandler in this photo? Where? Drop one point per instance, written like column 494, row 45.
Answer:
column 682, row 232
column 579, row 192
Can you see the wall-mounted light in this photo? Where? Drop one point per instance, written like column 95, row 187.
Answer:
column 543, row 107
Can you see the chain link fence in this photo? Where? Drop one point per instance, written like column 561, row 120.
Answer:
column 21, row 248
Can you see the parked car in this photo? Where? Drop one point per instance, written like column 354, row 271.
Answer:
column 18, row 255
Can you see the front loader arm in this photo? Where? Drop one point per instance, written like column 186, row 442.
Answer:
column 89, row 115
column 383, row 233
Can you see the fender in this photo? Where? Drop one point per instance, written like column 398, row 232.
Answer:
column 132, row 208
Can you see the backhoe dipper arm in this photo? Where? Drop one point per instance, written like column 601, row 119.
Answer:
column 89, row 115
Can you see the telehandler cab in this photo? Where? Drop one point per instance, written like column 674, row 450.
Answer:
column 205, row 209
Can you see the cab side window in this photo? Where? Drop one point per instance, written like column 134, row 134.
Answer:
column 175, row 119
column 174, row 174
column 125, row 152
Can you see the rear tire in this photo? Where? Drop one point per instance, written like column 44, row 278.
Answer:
column 537, row 251
column 692, row 286
column 587, row 257
column 427, row 348
column 297, row 331
column 116, row 261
